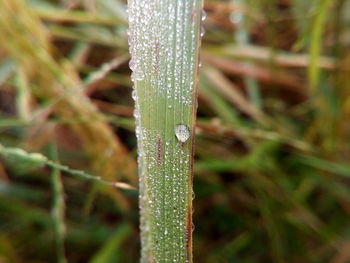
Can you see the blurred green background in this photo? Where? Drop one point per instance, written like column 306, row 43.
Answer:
column 272, row 149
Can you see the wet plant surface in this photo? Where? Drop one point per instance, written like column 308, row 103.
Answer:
column 271, row 170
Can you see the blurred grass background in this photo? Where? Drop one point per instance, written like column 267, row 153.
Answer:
column 272, row 149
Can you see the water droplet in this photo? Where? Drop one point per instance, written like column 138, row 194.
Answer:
column 182, row 132
column 202, row 30
column 132, row 64
column 204, row 15
column 137, row 75
column 133, row 94
column 136, row 114
column 236, row 17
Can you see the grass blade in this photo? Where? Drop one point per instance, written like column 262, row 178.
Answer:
column 315, row 41
column 58, row 209
column 164, row 42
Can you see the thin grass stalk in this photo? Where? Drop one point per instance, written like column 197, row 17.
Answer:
column 25, row 161
column 241, row 37
column 164, row 39
column 322, row 10
column 58, row 209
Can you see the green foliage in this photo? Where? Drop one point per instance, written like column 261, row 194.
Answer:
column 20, row 161
column 272, row 148
column 164, row 40
column 111, row 251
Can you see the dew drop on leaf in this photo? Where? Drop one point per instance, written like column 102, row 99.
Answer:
column 182, row 132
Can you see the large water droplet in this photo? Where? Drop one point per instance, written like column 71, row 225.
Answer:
column 182, row 132
column 236, row 17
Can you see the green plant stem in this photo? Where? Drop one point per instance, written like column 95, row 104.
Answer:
column 242, row 38
column 30, row 161
column 315, row 41
column 58, row 208
column 164, row 43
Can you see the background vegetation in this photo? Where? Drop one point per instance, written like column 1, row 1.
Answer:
column 272, row 149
